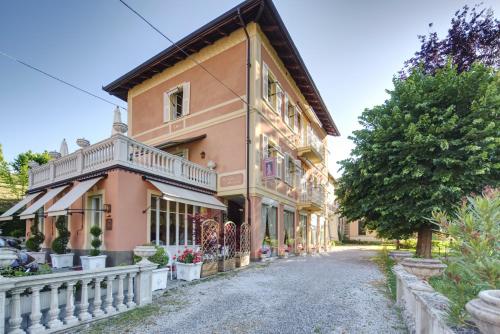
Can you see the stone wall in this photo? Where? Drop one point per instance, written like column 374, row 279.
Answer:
column 423, row 309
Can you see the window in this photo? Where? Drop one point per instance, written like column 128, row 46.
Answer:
column 170, row 223
column 290, row 113
column 271, row 91
column 176, row 102
column 279, row 165
column 268, row 226
column 41, row 219
column 288, row 217
column 182, row 153
column 95, row 214
column 289, row 167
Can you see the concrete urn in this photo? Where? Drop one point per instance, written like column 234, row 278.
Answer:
column 144, row 252
column 7, row 256
column 485, row 311
column 398, row 256
column 423, row 268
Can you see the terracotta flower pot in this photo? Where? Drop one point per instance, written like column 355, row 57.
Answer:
column 485, row 311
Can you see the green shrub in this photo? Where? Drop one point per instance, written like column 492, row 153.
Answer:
column 34, row 242
column 160, row 257
column 60, row 244
column 96, row 242
column 475, row 256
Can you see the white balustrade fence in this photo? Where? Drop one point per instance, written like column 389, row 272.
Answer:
column 52, row 302
column 119, row 150
column 312, row 194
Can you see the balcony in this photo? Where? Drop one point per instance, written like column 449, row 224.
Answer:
column 311, row 148
column 311, row 198
column 120, row 150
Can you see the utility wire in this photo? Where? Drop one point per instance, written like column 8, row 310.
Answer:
column 58, row 79
column 183, row 51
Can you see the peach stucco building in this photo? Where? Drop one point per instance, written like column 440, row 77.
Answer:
column 234, row 102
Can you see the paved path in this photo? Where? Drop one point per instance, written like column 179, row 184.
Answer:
column 337, row 292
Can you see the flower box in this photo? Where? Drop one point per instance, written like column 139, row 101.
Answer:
column 227, row 265
column 242, row 260
column 209, row 269
column 93, row 262
column 188, row 271
column 62, row 260
column 160, row 278
column 40, row 257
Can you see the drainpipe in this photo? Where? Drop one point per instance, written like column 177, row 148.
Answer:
column 248, row 140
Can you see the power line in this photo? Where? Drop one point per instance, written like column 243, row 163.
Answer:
column 183, row 51
column 58, row 79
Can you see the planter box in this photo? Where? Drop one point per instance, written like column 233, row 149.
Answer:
column 188, row 271
column 209, row 269
column 93, row 262
column 62, row 260
column 160, row 278
column 40, row 257
column 242, row 260
column 227, row 265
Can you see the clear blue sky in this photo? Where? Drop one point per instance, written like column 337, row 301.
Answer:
column 351, row 48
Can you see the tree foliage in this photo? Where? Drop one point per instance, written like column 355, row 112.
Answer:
column 15, row 174
column 436, row 139
column 474, row 36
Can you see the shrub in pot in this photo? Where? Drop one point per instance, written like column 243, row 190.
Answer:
column 61, row 258
column 94, row 260
column 33, row 244
column 159, row 275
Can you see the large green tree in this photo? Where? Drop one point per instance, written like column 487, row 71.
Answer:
column 15, row 174
column 436, row 139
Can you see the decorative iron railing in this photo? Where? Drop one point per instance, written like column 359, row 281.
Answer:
column 123, row 151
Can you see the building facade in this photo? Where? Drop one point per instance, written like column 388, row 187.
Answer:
column 234, row 103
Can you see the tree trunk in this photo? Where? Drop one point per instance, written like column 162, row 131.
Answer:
column 424, row 241
column 398, row 245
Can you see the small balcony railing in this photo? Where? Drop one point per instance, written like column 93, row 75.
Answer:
column 120, row 150
column 311, row 198
column 311, row 148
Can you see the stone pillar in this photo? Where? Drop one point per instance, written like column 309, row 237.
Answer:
column 143, row 284
column 255, row 234
column 281, row 226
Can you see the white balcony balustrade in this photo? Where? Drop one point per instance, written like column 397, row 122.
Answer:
column 120, row 150
column 311, row 198
column 311, row 147
column 54, row 302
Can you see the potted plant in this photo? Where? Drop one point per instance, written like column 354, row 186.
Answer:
column 61, row 258
column 189, row 265
column 34, row 242
column 94, row 260
column 159, row 275
column 283, row 252
column 264, row 252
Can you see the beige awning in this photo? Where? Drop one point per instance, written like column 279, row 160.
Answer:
column 32, row 209
column 61, row 207
column 177, row 194
column 9, row 214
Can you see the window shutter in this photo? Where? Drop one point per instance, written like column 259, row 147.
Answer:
column 298, row 173
column 265, row 82
column 296, row 116
column 287, row 168
column 279, row 99
column 265, row 145
column 166, row 107
column 287, row 119
column 279, row 166
column 185, row 98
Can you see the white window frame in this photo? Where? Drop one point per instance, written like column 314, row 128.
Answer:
column 169, row 114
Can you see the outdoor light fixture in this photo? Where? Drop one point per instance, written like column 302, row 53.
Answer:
column 202, row 154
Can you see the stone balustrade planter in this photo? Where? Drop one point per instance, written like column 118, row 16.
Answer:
column 159, row 279
column 93, row 262
column 485, row 311
column 7, row 256
column 62, row 260
column 40, row 257
column 188, row 271
column 400, row 255
column 423, row 268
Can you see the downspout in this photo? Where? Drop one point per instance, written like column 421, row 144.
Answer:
column 248, row 140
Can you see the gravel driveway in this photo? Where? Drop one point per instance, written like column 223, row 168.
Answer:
column 337, row 292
